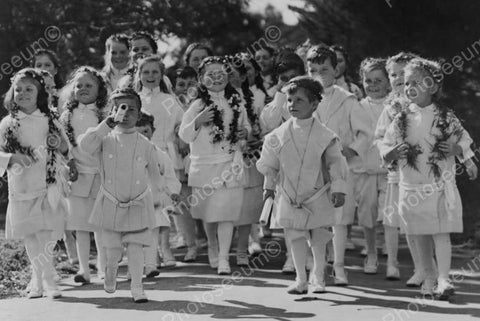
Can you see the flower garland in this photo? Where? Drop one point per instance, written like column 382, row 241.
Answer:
column 412, row 150
column 251, row 114
column 68, row 123
column 12, row 145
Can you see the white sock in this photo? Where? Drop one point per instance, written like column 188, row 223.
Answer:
column 225, row 234
column 135, row 263
column 339, row 241
column 83, row 252
column 391, row 241
column 370, row 236
column 101, row 252
column 414, row 252
column 320, row 238
column 443, row 251
column 33, row 252
column 299, row 255
column 151, row 252
column 425, row 255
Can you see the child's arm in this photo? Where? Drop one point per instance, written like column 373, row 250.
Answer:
column 359, row 124
column 173, row 185
column 9, row 159
column 274, row 113
column 338, row 171
column 153, row 169
column 91, row 141
column 269, row 163
column 183, row 148
column 244, row 127
column 193, row 119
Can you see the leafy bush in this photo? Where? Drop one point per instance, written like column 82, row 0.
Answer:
column 14, row 268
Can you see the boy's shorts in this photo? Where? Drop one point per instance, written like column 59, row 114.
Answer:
column 370, row 198
column 114, row 239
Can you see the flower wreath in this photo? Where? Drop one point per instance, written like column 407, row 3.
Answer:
column 68, row 123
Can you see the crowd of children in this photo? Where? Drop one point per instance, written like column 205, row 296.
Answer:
column 126, row 151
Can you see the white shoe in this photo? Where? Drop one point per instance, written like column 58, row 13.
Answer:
column 35, row 293
column 223, row 267
column 138, row 294
column 110, row 281
column 393, row 273
column 370, row 265
column 444, row 289
column 298, row 288
column 213, row 258
column 416, row 280
column 428, row 286
column 254, row 249
column 191, row 255
column 317, row 283
column 339, row 275
column 288, row 267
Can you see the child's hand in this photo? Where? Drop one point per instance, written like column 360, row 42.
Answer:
column 110, row 121
column 175, row 198
column 338, row 199
column 268, row 193
column 73, row 171
column 204, row 117
column 472, row 169
column 397, row 152
column 21, row 159
column 242, row 133
column 183, row 148
column 450, row 148
column 349, row 153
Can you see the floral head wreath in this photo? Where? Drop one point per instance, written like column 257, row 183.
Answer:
column 321, row 51
column 29, row 72
column 432, row 67
column 102, row 84
column 369, row 64
column 308, row 83
column 213, row 60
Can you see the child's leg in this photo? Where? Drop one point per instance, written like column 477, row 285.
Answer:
column 288, row 266
column 225, row 234
column 371, row 262
column 151, row 254
column 46, row 245
column 299, row 255
column 114, row 249
column 168, row 258
column 211, row 232
column 101, row 254
column 424, row 249
column 135, row 267
column 319, row 239
column 443, row 252
column 71, row 246
column 339, row 240
column 242, row 244
column 186, row 224
column 254, row 246
column 419, row 273
column 34, row 254
column 391, row 241
column 83, row 251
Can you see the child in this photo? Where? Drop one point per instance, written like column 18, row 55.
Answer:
column 395, row 102
column 214, row 125
column 124, row 208
column 185, row 86
column 340, row 111
column 424, row 138
column 116, row 58
column 32, row 145
column 255, row 80
column 195, row 53
column 172, row 186
column 167, row 113
column 371, row 178
column 303, row 159
column 47, row 60
column 84, row 108
column 265, row 58
column 341, row 79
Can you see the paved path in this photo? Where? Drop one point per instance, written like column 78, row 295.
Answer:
column 195, row 292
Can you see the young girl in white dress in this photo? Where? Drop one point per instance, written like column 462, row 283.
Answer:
column 31, row 148
column 84, row 108
column 425, row 138
column 214, row 125
column 117, row 59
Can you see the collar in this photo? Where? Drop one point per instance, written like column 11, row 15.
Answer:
column 303, row 123
column 92, row 106
column 150, row 92
column 220, row 94
column 417, row 109
column 340, row 81
column 36, row 113
column 119, row 72
column 379, row 101
column 328, row 91
column 121, row 130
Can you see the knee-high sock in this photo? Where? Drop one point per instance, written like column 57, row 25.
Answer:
column 135, row 263
column 151, row 251
column 242, row 242
column 114, row 254
column 255, row 233
column 225, row 233
column 83, row 252
column 370, row 237
column 412, row 241
column 443, row 251
column 101, row 252
column 46, row 245
column 391, row 241
column 299, row 255
column 211, row 232
column 186, row 226
column 320, row 238
column 34, row 255
column 70, row 245
column 425, row 255
column 339, row 240
column 288, row 245
column 165, row 243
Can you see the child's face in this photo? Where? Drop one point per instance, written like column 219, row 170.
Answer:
column 341, row 64
column 264, row 59
column 140, row 48
column 324, row 72
column 396, row 76
column 251, row 72
column 131, row 116
column 145, row 130
column 299, row 105
column 25, row 94
column 215, row 77
column 85, row 88
column 118, row 55
column 376, row 84
column 151, row 75
column 183, row 84
column 419, row 88
column 196, row 58
column 50, row 86
column 43, row 62
column 235, row 78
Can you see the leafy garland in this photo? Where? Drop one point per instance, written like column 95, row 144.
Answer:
column 396, row 102
column 251, row 114
column 12, row 145
column 68, row 124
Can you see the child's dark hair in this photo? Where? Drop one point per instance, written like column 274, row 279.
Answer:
column 338, row 48
column 147, row 36
column 258, row 80
column 102, row 97
column 59, row 82
column 146, row 119
column 320, row 53
column 39, row 82
column 117, row 37
column 53, row 98
column 313, row 88
column 126, row 93
column 185, row 73
column 196, row 46
column 370, row 64
column 137, row 83
column 400, row 58
column 290, row 61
